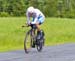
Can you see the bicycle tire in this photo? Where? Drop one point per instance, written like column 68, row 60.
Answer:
column 27, row 47
column 40, row 42
column 40, row 45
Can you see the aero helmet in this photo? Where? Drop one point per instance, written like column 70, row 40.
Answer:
column 30, row 9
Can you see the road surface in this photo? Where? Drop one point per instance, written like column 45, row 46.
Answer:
column 65, row 52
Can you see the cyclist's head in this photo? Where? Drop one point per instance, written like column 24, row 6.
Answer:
column 30, row 10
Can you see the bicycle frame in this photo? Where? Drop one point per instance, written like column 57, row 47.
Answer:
column 33, row 40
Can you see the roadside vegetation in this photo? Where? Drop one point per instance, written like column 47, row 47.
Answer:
column 57, row 31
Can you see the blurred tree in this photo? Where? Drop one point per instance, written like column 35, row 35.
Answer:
column 1, row 5
column 51, row 8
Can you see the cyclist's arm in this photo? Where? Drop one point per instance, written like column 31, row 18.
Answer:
column 35, row 20
column 28, row 18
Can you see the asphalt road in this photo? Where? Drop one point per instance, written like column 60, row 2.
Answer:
column 64, row 52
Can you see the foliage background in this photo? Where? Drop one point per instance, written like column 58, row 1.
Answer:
column 51, row 8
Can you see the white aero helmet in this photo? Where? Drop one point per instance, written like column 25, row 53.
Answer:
column 30, row 9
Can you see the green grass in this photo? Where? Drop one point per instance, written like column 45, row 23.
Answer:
column 57, row 31
column 11, row 33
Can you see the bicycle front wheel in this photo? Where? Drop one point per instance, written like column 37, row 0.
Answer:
column 27, row 42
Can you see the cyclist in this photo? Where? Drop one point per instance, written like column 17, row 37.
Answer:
column 37, row 17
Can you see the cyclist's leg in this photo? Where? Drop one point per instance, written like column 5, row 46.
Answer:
column 38, row 23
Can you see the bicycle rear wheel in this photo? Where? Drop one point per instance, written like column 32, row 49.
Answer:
column 40, row 42
column 39, row 45
column 27, row 42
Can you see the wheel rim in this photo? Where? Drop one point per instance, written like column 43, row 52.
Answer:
column 39, row 46
column 27, row 43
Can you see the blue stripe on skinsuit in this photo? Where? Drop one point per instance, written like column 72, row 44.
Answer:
column 41, row 19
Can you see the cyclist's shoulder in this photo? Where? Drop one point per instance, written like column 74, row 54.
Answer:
column 36, row 10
